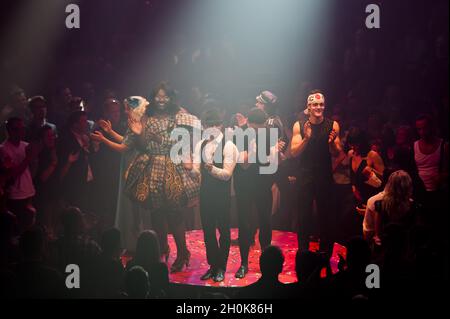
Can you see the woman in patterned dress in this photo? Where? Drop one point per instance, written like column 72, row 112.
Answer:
column 162, row 185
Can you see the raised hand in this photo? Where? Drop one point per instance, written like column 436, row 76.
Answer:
column 307, row 130
column 97, row 136
column 208, row 167
column 105, row 125
column 280, row 146
column 332, row 136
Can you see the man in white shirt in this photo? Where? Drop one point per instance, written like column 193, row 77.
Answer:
column 214, row 160
column 15, row 157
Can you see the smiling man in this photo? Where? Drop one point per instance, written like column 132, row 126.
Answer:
column 314, row 140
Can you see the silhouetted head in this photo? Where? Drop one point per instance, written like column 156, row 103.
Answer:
column 424, row 126
column 136, row 283
column 38, row 106
column 78, row 122
column 15, row 127
column 358, row 141
column 72, row 221
column 271, row 262
column 147, row 248
column 212, row 118
column 256, row 118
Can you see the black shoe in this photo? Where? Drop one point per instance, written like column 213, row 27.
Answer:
column 180, row 262
column 220, row 276
column 208, row 275
column 242, row 271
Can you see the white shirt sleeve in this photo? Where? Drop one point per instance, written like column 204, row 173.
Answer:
column 197, row 160
column 230, row 157
column 369, row 216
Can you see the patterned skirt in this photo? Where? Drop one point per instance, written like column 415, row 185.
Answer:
column 156, row 182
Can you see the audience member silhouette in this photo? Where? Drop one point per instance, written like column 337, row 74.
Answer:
column 268, row 286
column 148, row 257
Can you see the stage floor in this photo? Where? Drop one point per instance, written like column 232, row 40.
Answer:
column 287, row 241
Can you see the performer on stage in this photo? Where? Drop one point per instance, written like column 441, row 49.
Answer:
column 313, row 142
column 215, row 159
column 162, row 185
column 256, row 188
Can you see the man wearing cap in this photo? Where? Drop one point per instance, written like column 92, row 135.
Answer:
column 214, row 160
column 268, row 102
column 313, row 142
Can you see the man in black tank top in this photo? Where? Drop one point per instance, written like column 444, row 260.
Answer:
column 215, row 160
column 313, row 142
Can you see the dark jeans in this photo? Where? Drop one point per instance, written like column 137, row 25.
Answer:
column 260, row 195
column 319, row 222
column 215, row 214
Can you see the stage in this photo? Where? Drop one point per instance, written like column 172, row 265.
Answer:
column 287, row 241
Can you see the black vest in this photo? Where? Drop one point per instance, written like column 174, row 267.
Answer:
column 315, row 160
column 210, row 185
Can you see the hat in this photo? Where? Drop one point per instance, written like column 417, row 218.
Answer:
column 267, row 97
column 137, row 105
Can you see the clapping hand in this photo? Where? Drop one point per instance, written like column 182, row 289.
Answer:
column 97, row 136
column 332, row 136
column 105, row 125
column 307, row 130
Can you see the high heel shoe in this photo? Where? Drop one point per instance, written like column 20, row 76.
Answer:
column 180, row 262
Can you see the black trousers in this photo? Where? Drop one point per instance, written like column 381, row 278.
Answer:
column 324, row 222
column 215, row 214
column 253, row 192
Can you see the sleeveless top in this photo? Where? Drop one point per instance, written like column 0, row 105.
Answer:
column 428, row 165
column 315, row 160
column 358, row 179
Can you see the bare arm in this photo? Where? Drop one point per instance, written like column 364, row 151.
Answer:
column 116, row 136
column 298, row 143
column 107, row 127
column 336, row 146
column 98, row 137
column 376, row 163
